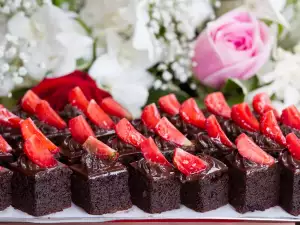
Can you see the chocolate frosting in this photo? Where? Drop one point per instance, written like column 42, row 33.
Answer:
column 290, row 162
column 91, row 164
column 154, row 170
column 187, row 129
column 287, row 129
column 123, row 148
column 70, row 112
column 27, row 164
column 70, row 148
column 245, row 164
column 213, row 168
column 140, row 127
column 165, row 146
column 210, row 146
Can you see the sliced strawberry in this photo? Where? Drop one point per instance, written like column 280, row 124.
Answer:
column 36, row 150
column 113, row 108
column 128, row 133
column 293, row 144
column 150, row 116
column 97, row 147
column 80, row 129
column 168, row 132
column 9, row 119
column 45, row 113
column 4, row 146
column 98, row 116
column 270, row 128
column 216, row 104
column 29, row 102
column 215, row 131
column 241, row 114
column 152, row 153
column 169, row 104
column 190, row 113
column 291, row 117
column 29, row 129
column 262, row 103
column 78, row 99
column 249, row 150
column 187, row 163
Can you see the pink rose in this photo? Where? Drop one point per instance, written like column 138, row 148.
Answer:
column 234, row 46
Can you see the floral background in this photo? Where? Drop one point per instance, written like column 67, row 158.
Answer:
column 139, row 50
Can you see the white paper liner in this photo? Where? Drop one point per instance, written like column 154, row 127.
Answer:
column 76, row 214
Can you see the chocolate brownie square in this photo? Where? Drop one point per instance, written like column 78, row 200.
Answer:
column 38, row 191
column 207, row 190
column 153, row 187
column 5, row 188
column 252, row 186
column 289, row 198
column 100, row 190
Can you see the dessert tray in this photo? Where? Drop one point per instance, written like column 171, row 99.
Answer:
column 75, row 214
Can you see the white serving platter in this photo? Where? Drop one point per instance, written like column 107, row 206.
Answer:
column 76, row 214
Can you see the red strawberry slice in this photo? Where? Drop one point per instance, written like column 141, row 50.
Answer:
column 45, row 113
column 215, row 131
column 187, row 163
column 113, row 108
column 98, row 116
column 169, row 104
column 168, row 132
column 291, row 117
column 190, row 113
column 293, row 144
column 29, row 102
column 151, row 152
column 216, row 104
column 249, row 150
column 150, row 116
column 94, row 146
column 9, row 119
column 241, row 114
column 78, row 99
column 262, row 104
column 270, row 128
column 29, row 129
column 36, row 150
column 80, row 129
column 4, row 146
column 128, row 133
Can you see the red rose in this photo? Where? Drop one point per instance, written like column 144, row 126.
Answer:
column 56, row 90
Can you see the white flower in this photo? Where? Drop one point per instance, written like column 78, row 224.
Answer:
column 55, row 40
column 103, row 15
column 123, row 72
column 268, row 9
column 283, row 81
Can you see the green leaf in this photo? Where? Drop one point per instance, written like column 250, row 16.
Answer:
column 12, row 101
column 154, row 95
column 235, row 90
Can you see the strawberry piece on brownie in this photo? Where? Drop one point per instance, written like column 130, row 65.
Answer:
column 216, row 104
column 169, row 104
column 113, row 108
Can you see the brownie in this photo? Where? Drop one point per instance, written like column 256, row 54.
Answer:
column 232, row 130
column 189, row 130
column 141, row 127
column 6, row 158
column 289, row 198
column 154, row 188
column 100, row 186
column 127, row 152
column 70, row 112
column 54, row 134
column 207, row 190
column 39, row 191
column 5, row 188
column 70, row 151
column 252, row 186
column 213, row 147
